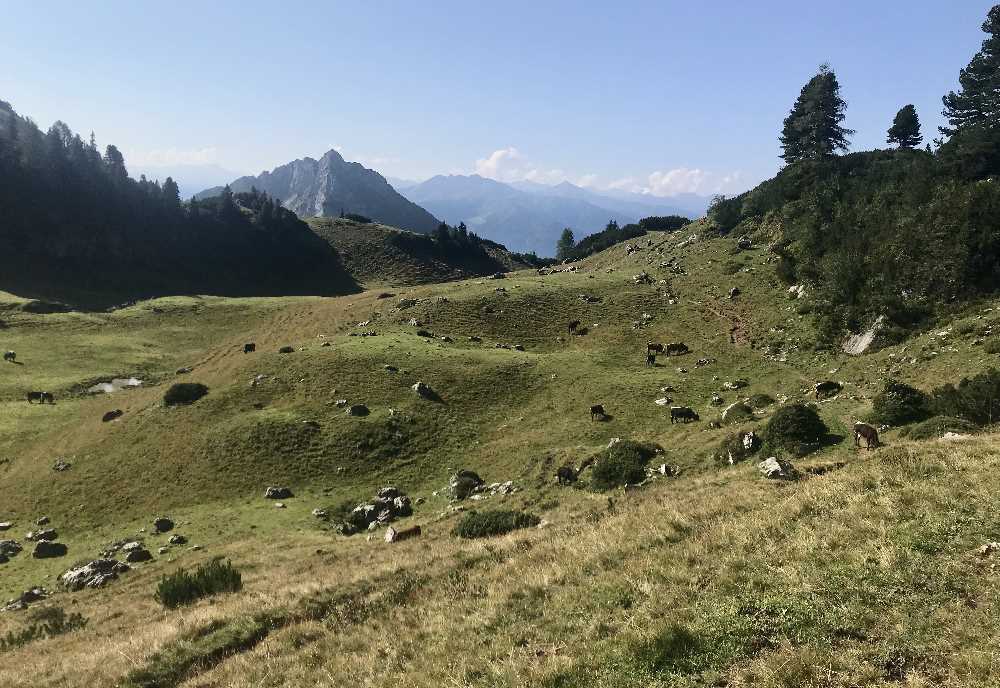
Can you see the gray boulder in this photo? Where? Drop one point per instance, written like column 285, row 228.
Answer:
column 137, row 555
column 45, row 549
column 464, row 483
column 777, row 469
column 94, row 574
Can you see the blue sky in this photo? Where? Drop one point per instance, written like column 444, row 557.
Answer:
column 664, row 97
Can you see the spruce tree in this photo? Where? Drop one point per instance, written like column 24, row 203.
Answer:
column 978, row 101
column 905, row 129
column 813, row 128
column 565, row 244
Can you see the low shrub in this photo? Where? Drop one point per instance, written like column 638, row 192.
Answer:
column 899, row 404
column 992, row 346
column 759, row 401
column 975, row 399
column 731, row 450
column 46, row 622
column 937, row 426
column 731, row 267
column 183, row 587
column 623, row 463
column 360, row 219
column 738, row 413
column 477, row 524
column 796, row 429
column 184, row 393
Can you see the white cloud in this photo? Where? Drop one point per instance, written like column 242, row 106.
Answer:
column 168, row 157
column 509, row 165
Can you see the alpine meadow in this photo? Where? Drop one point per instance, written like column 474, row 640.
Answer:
column 493, row 355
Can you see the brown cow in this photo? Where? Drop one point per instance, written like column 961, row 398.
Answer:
column 868, row 432
column 597, row 412
column 653, row 348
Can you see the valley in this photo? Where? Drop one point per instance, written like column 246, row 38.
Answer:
column 602, row 594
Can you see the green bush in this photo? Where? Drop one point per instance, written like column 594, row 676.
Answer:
column 992, row 346
column 731, row 267
column 796, row 429
column 899, row 404
column 732, row 446
column 184, row 393
column 965, row 328
column 937, row 426
column 759, row 401
column 477, row 524
column 975, row 399
column 46, row 622
column 738, row 413
column 181, row 587
column 623, row 463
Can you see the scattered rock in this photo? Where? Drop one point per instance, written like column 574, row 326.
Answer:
column 735, row 384
column 716, row 399
column 390, row 368
column 464, row 483
column 9, row 548
column 340, row 403
column 988, row 549
column 183, row 371
column 61, row 465
column 177, row 539
column 39, row 535
column 163, row 550
column 277, row 493
column 94, row 574
column 777, row 469
column 6, row 525
column 44, row 520
column 388, row 505
column 45, row 549
column 475, row 339
column 321, row 514
column 137, row 555
column 24, row 599
column 162, row 525
column 286, row 350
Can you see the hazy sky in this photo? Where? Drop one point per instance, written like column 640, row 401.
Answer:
column 661, row 96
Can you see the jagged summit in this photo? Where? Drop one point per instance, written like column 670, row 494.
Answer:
column 327, row 186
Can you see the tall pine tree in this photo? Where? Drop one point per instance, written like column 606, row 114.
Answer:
column 978, row 101
column 905, row 129
column 564, row 247
column 813, row 130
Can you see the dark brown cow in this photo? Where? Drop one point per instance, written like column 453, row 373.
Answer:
column 249, row 348
column 868, row 432
column 597, row 412
column 682, row 414
column 572, row 327
column 654, row 348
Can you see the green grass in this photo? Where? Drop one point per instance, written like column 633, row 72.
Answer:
column 713, row 574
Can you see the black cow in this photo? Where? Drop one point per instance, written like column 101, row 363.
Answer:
column 10, row 356
column 573, row 325
column 653, row 348
column 682, row 414
column 41, row 397
column 597, row 412
column 676, row 349
column 566, row 475
column 249, row 348
column 650, row 360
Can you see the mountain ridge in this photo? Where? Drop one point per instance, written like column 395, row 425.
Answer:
column 331, row 185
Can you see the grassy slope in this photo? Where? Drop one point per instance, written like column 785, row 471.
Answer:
column 762, row 581
column 372, row 260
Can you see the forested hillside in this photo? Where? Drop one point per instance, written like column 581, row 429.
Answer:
column 77, row 227
column 900, row 233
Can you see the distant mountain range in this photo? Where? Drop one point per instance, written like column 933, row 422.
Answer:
column 327, row 186
column 525, row 216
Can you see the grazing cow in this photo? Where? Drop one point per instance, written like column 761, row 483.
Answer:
column 249, row 348
column 676, row 349
column 650, row 360
column 41, row 397
column 682, row 414
column 573, row 325
column 10, row 356
column 868, row 432
column 597, row 412
column 825, row 390
column 566, row 475
column 653, row 348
